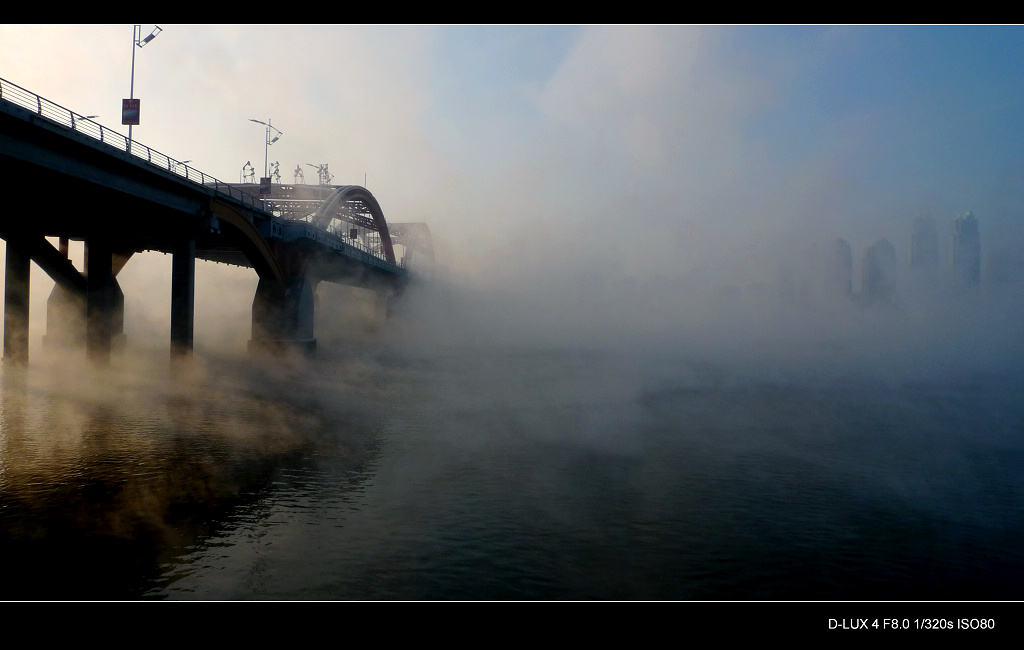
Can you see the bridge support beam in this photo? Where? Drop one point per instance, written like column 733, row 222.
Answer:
column 282, row 318
column 66, row 306
column 382, row 304
column 183, row 298
column 65, row 317
column 17, row 270
column 65, row 310
column 100, row 301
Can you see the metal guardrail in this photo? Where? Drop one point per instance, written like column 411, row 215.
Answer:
column 82, row 124
column 67, row 118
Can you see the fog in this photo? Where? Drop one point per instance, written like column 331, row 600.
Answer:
column 654, row 189
column 625, row 219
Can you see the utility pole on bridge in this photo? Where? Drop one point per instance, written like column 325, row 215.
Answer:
column 266, row 148
column 130, row 106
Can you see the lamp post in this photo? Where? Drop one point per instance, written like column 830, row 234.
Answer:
column 79, row 118
column 137, row 41
column 266, row 149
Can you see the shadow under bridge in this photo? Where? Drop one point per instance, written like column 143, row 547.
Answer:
column 77, row 180
column 320, row 233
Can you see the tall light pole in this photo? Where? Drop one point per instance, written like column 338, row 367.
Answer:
column 130, row 108
column 266, row 149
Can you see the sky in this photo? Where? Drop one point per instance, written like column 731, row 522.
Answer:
column 589, row 170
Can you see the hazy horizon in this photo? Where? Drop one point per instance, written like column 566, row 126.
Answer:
column 643, row 368
column 647, row 187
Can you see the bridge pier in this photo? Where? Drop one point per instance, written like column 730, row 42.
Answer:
column 183, row 297
column 65, row 317
column 283, row 318
column 100, row 300
column 17, row 270
column 66, row 306
column 65, row 311
column 384, row 302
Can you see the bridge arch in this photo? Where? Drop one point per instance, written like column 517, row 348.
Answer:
column 252, row 243
column 354, row 204
column 415, row 237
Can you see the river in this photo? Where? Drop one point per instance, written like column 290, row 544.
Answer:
column 506, row 473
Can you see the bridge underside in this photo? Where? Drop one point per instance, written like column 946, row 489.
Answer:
column 88, row 307
column 73, row 188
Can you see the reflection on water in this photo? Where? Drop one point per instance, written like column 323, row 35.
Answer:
column 490, row 474
column 107, row 476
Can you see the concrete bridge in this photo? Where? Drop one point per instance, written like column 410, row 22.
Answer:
column 74, row 179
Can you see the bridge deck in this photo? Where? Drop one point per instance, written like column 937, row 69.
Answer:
column 94, row 187
column 76, row 179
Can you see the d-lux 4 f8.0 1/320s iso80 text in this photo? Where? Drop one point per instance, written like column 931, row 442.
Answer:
column 912, row 624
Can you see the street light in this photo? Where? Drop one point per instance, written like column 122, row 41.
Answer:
column 153, row 34
column 127, row 117
column 79, row 118
column 266, row 149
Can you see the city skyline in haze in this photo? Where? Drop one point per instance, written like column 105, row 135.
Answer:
column 580, row 164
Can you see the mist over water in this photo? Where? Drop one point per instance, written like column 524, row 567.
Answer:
column 487, row 443
column 643, row 367
column 580, row 425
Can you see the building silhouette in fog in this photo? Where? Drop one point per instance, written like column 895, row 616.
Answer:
column 966, row 249
column 924, row 243
column 878, row 280
column 839, row 268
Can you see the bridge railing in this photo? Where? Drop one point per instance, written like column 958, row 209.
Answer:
column 83, row 124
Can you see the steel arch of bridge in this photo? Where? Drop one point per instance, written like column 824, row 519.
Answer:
column 415, row 237
column 330, row 207
column 355, row 205
column 135, row 199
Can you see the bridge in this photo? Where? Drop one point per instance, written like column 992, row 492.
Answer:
column 77, row 180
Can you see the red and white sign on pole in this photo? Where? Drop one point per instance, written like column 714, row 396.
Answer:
column 130, row 111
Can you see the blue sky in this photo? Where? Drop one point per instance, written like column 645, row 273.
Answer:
column 535, row 151
column 916, row 116
column 938, row 105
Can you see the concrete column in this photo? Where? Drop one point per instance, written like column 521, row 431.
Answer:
column 284, row 317
column 183, row 297
column 66, row 307
column 300, row 301
column 117, row 336
column 382, row 305
column 16, row 303
column 65, row 318
column 65, row 311
column 99, row 301
column 267, row 305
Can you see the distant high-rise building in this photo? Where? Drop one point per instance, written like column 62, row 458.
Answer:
column 878, row 280
column 967, row 249
column 924, row 243
column 839, row 268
